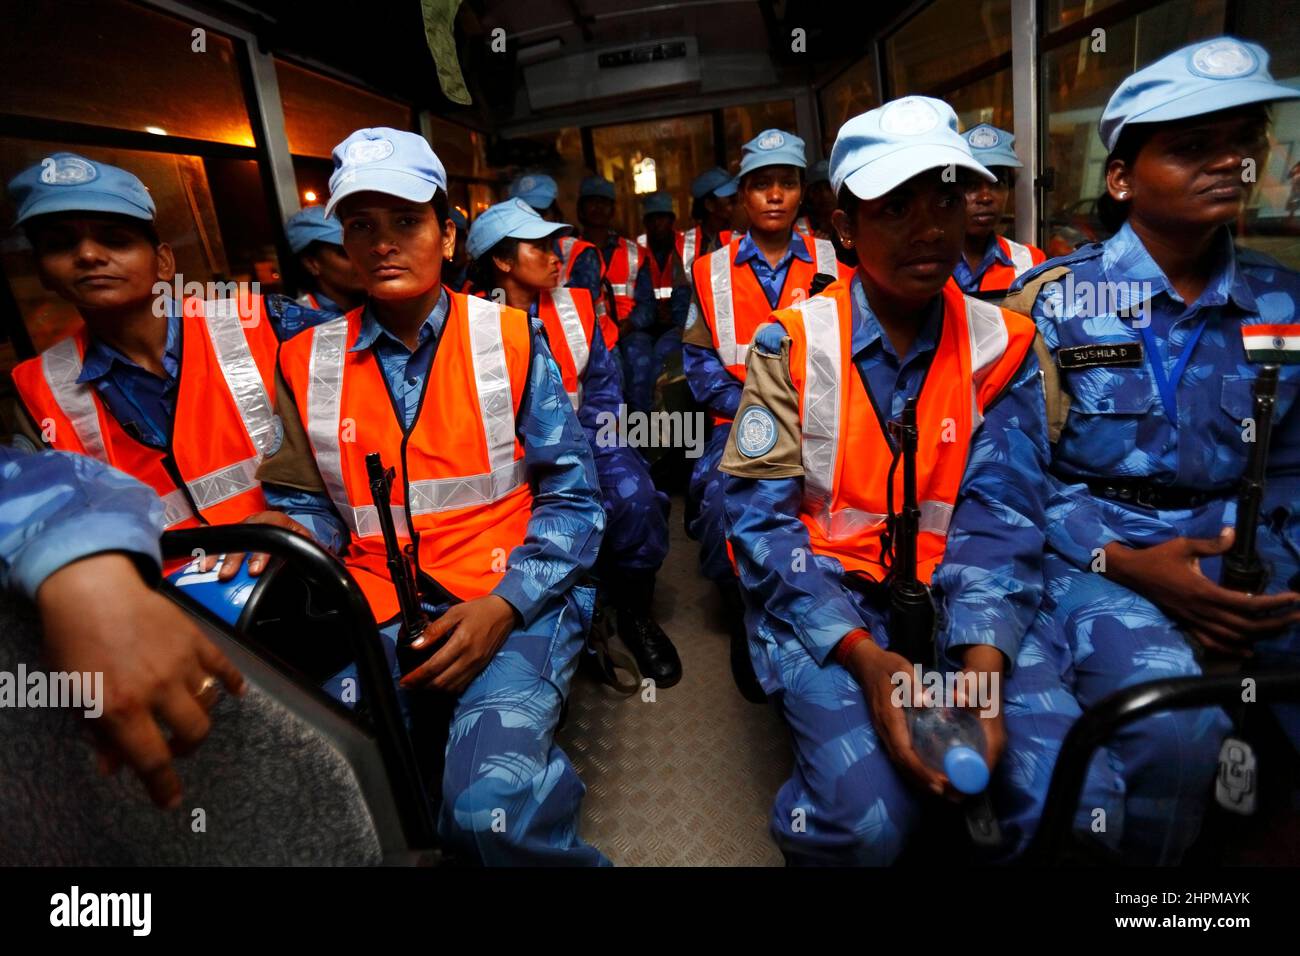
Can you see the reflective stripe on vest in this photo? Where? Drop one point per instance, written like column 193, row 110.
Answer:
column 628, row 288
column 575, row 336
column 988, row 340
column 496, row 412
column 324, row 404
column 1021, row 258
column 235, row 358
column 61, row 365
column 689, row 245
column 824, row 254
column 567, row 245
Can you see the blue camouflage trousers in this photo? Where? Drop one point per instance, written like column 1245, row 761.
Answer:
column 636, row 512
column 1154, row 779
column 510, row 796
column 846, row 803
column 708, row 527
column 644, row 355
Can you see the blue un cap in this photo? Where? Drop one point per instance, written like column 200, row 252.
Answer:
column 885, row 147
column 595, row 186
column 1202, row 78
column 991, row 146
column 537, row 189
column 312, row 225
column 772, row 147
column 66, row 182
column 657, row 202
column 513, row 219
column 389, row 161
column 713, row 182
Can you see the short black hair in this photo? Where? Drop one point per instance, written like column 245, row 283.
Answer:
column 482, row 271
column 145, row 226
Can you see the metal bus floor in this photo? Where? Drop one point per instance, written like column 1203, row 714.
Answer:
column 688, row 779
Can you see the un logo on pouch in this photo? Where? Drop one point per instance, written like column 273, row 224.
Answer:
column 1223, row 60
column 66, row 171
column 368, row 151
column 756, row 432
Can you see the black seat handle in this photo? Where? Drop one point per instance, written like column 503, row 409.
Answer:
column 339, row 588
column 1094, row 728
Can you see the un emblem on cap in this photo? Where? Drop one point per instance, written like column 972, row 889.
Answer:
column 756, row 432
column 527, row 183
column 1223, row 60
column 66, row 171
column 984, row 138
column 771, row 141
column 367, row 151
column 909, row 117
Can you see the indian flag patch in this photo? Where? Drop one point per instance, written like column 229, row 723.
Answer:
column 1272, row 343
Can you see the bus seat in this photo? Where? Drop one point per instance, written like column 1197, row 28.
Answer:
column 283, row 779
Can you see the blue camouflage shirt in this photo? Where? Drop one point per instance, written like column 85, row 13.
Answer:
column 56, row 508
column 567, row 520
column 1118, row 425
column 990, row 580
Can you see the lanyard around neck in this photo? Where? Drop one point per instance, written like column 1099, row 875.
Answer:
column 1168, row 385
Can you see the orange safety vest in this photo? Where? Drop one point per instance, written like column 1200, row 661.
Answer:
column 570, row 248
column 461, row 491
column 621, row 272
column 1023, row 258
column 845, row 452
column 224, row 422
column 570, row 323
column 734, row 304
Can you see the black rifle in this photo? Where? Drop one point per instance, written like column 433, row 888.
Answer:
column 400, row 567
column 1242, row 568
column 911, row 611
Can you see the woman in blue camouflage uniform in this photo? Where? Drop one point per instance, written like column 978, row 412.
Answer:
column 1154, row 445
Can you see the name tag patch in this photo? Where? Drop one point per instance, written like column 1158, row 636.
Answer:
column 1100, row 355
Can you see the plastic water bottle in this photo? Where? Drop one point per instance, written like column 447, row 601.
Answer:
column 951, row 741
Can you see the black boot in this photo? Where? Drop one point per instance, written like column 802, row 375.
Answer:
column 633, row 594
column 742, row 668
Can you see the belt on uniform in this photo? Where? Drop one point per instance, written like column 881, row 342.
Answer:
column 1151, row 494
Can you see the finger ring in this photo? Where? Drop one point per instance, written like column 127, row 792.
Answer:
column 209, row 684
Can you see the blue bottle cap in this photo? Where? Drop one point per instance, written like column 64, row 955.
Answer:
column 966, row 770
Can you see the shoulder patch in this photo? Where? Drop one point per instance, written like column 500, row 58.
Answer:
column 756, row 432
